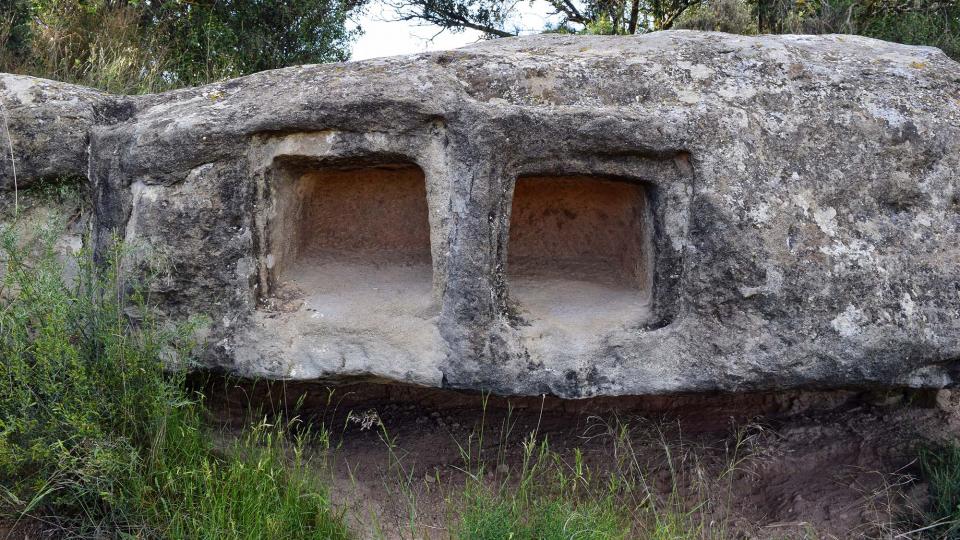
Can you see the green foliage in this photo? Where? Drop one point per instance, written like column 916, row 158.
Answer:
column 135, row 46
column 97, row 43
column 492, row 517
column 547, row 501
column 268, row 489
column 601, row 26
column 914, row 22
column 553, row 497
column 228, row 38
column 731, row 16
column 14, row 31
column 940, row 467
column 96, row 437
column 935, row 27
column 576, row 16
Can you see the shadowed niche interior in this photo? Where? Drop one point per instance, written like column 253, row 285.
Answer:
column 580, row 251
column 354, row 243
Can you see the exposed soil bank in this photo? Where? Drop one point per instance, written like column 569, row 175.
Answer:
column 824, row 464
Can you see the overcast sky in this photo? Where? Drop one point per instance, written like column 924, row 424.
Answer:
column 384, row 37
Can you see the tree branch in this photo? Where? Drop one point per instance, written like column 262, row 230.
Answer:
column 573, row 14
column 448, row 19
column 668, row 20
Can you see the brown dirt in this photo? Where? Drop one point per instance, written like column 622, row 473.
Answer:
column 836, row 464
column 26, row 529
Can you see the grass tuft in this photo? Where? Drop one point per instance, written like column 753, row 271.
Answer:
column 940, row 467
column 557, row 495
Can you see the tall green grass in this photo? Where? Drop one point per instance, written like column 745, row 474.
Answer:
column 667, row 494
column 547, row 500
column 97, row 439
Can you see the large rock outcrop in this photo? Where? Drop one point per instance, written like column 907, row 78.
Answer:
column 580, row 216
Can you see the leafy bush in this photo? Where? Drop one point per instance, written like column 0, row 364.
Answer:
column 731, row 16
column 132, row 46
column 101, row 44
column 212, row 40
column 935, row 27
column 98, row 439
column 913, row 22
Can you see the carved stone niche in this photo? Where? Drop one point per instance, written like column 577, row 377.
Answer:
column 594, row 251
column 581, row 252
column 354, row 240
column 346, row 275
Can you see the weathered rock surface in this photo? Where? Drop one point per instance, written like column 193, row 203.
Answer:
column 694, row 211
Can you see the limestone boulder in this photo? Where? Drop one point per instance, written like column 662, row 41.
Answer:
column 573, row 215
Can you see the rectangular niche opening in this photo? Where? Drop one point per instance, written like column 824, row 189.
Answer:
column 353, row 243
column 581, row 251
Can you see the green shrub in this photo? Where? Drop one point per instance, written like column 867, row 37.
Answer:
column 97, row 438
column 937, row 28
column 731, row 16
column 913, row 22
column 107, row 45
column 133, row 46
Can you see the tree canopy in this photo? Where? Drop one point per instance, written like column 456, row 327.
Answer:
column 919, row 22
column 150, row 45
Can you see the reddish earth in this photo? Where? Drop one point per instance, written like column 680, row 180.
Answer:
column 832, row 464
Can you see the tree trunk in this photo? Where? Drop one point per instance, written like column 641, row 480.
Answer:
column 634, row 17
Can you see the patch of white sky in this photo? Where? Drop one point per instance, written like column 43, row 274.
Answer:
column 383, row 35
